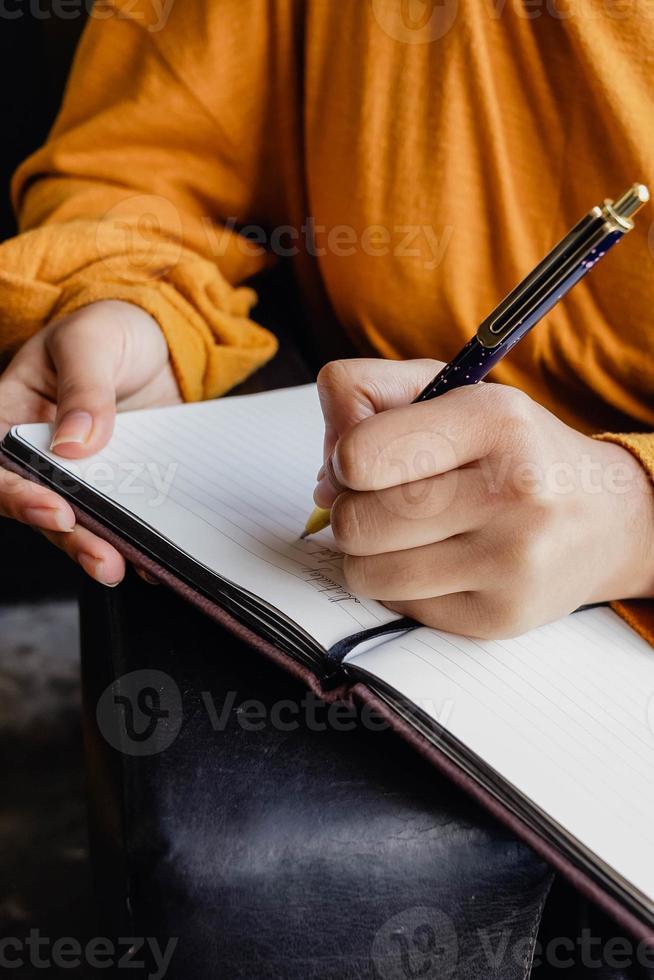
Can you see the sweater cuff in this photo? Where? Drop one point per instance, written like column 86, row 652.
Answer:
column 55, row 270
column 638, row 613
column 639, row 444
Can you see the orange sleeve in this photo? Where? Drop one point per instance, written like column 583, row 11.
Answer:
column 640, row 444
column 138, row 193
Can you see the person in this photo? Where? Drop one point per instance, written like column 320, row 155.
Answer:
column 412, row 160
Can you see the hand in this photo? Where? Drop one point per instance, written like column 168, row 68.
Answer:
column 75, row 372
column 478, row 512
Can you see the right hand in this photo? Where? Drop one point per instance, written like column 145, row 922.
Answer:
column 76, row 372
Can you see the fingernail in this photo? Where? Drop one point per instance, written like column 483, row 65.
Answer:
column 76, row 427
column 95, row 568
column 45, row 517
column 320, row 474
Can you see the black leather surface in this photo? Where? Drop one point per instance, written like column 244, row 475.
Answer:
column 299, row 853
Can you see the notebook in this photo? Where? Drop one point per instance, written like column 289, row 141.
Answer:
column 553, row 730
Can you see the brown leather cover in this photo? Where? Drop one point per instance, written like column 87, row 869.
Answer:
column 362, row 694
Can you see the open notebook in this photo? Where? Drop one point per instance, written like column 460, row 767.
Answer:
column 557, row 725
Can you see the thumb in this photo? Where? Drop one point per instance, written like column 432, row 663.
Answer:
column 351, row 391
column 84, row 363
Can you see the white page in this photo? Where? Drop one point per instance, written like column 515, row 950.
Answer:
column 565, row 714
column 230, row 483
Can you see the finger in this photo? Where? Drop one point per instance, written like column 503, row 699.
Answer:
column 483, row 614
column 462, row 613
column 459, row 564
column 412, row 443
column 98, row 559
column 414, row 514
column 353, row 390
column 30, row 503
column 85, row 363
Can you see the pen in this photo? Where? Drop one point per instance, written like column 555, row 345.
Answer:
column 567, row 263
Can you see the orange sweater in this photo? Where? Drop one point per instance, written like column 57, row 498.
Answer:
column 416, row 158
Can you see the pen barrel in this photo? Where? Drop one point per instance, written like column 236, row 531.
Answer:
column 578, row 242
column 475, row 360
column 551, row 298
column 469, row 367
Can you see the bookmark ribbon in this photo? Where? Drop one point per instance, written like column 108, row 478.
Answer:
column 339, row 651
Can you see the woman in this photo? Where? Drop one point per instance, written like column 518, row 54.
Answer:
column 413, row 160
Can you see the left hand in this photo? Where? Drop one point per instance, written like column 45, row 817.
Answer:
column 76, row 372
column 478, row 512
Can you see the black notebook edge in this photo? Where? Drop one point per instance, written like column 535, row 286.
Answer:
column 511, row 798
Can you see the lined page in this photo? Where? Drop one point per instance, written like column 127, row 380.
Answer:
column 230, row 483
column 565, row 713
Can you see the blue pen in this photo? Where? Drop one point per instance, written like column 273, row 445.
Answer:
column 520, row 311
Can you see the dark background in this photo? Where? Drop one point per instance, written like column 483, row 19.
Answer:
column 44, row 871
column 36, row 49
